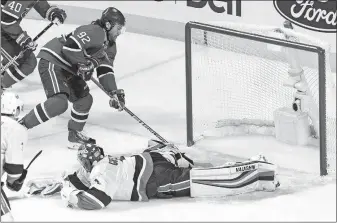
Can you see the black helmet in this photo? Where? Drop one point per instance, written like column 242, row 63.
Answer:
column 113, row 16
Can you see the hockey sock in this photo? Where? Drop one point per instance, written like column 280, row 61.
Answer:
column 11, row 76
column 52, row 107
column 80, row 113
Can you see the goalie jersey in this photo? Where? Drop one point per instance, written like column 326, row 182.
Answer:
column 112, row 178
column 13, row 139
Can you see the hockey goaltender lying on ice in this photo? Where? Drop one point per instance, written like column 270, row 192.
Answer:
column 155, row 173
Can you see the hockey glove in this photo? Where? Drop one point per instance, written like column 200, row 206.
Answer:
column 117, row 99
column 85, row 70
column 17, row 184
column 56, row 13
column 26, row 42
column 45, row 187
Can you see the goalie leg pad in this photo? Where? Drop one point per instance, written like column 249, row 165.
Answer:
column 233, row 179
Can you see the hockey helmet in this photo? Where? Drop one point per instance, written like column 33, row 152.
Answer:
column 89, row 154
column 112, row 16
column 11, row 105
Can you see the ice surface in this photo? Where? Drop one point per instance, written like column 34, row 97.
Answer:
column 151, row 71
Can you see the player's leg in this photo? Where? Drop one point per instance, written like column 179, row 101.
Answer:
column 5, row 207
column 82, row 102
column 167, row 180
column 234, row 178
column 23, row 66
column 54, row 81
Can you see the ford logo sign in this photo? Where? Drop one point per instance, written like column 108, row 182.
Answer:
column 318, row 15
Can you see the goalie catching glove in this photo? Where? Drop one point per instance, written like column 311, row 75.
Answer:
column 45, row 187
column 117, row 99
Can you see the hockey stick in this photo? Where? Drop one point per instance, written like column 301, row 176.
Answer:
column 13, row 60
column 25, row 171
column 143, row 123
column 6, row 55
column 36, row 156
column 23, row 176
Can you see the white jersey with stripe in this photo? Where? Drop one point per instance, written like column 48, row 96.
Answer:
column 114, row 177
column 13, row 140
column 123, row 178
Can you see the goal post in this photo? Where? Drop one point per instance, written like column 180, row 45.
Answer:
column 236, row 79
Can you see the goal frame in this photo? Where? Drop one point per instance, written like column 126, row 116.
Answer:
column 265, row 39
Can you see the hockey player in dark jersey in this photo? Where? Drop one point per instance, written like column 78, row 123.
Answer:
column 68, row 62
column 14, row 39
column 155, row 173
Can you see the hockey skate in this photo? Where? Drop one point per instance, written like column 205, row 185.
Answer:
column 77, row 138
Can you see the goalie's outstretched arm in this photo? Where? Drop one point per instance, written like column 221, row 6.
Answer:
column 91, row 199
column 78, row 195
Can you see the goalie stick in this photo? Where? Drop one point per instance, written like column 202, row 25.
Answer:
column 13, row 60
column 145, row 125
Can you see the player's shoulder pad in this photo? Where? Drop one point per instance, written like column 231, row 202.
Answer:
column 95, row 33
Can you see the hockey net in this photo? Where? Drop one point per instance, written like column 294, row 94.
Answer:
column 235, row 76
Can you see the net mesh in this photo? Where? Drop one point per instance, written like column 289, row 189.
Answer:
column 240, row 82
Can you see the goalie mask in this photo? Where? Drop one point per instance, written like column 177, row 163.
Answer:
column 89, row 154
column 113, row 21
column 11, row 105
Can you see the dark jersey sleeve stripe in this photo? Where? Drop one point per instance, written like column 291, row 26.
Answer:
column 13, row 168
column 70, row 43
column 107, row 80
column 143, row 171
column 103, row 70
column 92, row 199
column 7, row 19
column 72, row 51
column 73, row 178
